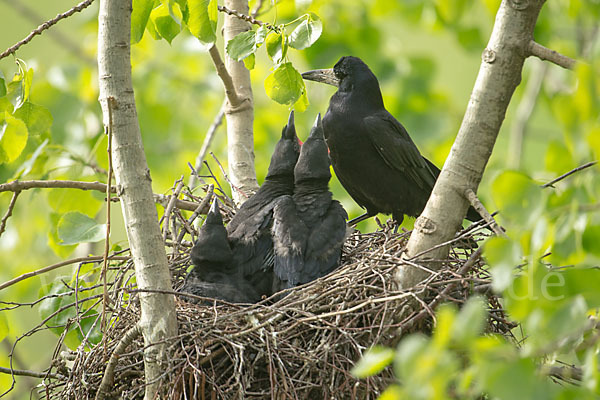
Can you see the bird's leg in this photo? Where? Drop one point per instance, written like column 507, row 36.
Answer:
column 358, row 219
column 398, row 219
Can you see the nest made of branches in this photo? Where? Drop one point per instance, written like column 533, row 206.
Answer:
column 301, row 346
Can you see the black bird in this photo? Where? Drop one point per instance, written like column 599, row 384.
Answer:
column 250, row 230
column 372, row 154
column 309, row 227
column 214, row 273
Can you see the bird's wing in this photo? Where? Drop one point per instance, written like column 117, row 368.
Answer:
column 248, row 230
column 324, row 245
column 289, row 242
column 395, row 146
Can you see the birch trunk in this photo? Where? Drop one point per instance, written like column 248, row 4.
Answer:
column 134, row 186
column 499, row 75
column 240, row 117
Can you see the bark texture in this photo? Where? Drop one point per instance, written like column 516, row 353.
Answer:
column 240, row 117
column 499, row 75
column 134, row 186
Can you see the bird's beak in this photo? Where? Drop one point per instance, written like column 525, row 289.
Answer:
column 323, row 76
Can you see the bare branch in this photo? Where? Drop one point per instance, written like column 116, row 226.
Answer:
column 230, row 91
column 33, row 374
column 38, row 31
column 169, row 208
column 11, row 206
column 58, row 265
column 257, row 8
column 205, row 146
column 480, row 208
column 15, row 186
column 249, row 18
column 571, row 172
column 544, row 53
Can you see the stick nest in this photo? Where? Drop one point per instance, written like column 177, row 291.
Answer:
column 302, row 346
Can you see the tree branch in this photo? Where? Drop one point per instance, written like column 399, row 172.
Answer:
column 16, row 186
column 480, row 208
column 32, row 374
column 249, row 18
column 11, row 206
column 544, row 53
column 38, row 31
column 58, row 265
column 230, row 92
column 571, row 172
column 206, row 144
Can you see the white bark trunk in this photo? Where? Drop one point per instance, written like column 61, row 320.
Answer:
column 499, row 75
column 158, row 320
column 240, row 117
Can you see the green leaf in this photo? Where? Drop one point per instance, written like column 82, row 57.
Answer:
column 15, row 93
column 307, row 32
column 37, row 118
column 470, row 321
column 164, row 23
column 410, row 349
column 393, row 392
column 53, row 240
column 13, row 138
column 249, row 62
column 49, row 306
column 517, row 197
column 75, row 227
column 302, row 104
column 203, row 20
column 276, row 46
column 65, row 200
column 261, row 35
column 591, row 239
column 242, row 45
column 373, row 362
column 2, row 85
column 139, row 18
column 285, row 84
column 503, row 256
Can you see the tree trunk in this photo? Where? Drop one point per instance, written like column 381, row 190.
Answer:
column 158, row 320
column 499, row 75
column 240, row 117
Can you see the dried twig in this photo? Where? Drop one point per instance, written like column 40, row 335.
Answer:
column 33, row 374
column 206, row 144
column 44, row 26
column 248, row 18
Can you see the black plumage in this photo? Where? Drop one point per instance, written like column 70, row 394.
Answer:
column 309, row 227
column 371, row 152
column 250, row 230
column 214, row 273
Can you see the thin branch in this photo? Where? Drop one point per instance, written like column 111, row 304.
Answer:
column 248, row 18
column 230, row 92
column 257, row 8
column 108, row 379
column 571, row 172
column 234, row 187
column 480, row 208
column 64, row 40
column 205, row 146
column 544, row 53
column 58, row 265
column 33, row 374
column 169, row 208
column 524, row 111
column 8, row 214
column 38, row 31
column 16, row 186
column 203, row 206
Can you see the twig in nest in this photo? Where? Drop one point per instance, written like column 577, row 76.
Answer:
column 169, row 208
column 205, row 146
column 109, row 377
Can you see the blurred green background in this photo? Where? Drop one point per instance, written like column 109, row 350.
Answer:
column 426, row 55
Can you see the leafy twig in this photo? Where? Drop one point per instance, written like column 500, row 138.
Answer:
column 44, row 26
column 248, row 18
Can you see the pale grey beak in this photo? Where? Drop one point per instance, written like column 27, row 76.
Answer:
column 323, row 76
